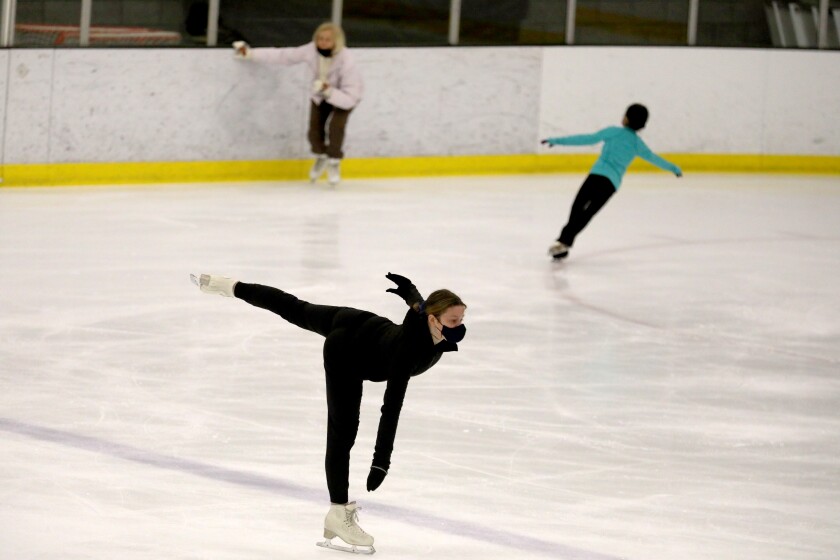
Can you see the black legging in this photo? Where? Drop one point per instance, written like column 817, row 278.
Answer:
column 593, row 194
column 344, row 386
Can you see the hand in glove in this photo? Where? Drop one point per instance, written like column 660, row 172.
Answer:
column 211, row 284
column 321, row 87
column 547, row 142
column 405, row 289
column 375, row 478
column 241, row 49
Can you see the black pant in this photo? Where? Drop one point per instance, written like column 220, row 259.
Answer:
column 344, row 386
column 593, row 194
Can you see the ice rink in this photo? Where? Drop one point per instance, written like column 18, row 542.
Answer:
column 670, row 392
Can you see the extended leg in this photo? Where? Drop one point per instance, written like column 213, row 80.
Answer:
column 322, row 319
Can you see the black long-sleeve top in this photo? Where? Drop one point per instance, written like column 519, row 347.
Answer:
column 368, row 346
column 396, row 353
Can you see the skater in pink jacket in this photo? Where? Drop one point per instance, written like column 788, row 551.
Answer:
column 336, row 90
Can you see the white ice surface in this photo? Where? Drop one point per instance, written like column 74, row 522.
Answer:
column 672, row 391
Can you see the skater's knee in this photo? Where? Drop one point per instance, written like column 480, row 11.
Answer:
column 341, row 436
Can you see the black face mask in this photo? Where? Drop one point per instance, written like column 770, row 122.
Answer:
column 324, row 52
column 453, row 335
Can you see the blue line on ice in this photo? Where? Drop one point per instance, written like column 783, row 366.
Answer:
column 412, row 517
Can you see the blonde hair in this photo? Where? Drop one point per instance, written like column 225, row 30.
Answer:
column 441, row 300
column 338, row 34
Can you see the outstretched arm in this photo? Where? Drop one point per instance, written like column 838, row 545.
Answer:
column 281, row 55
column 577, row 139
column 647, row 154
column 391, row 407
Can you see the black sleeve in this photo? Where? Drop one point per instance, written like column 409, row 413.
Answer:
column 391, row 407
column 405, row 289
column 413, row 296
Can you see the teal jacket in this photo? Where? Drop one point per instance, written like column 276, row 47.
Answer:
column 621, row 146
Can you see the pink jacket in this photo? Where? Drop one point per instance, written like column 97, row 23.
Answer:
column 345, row 81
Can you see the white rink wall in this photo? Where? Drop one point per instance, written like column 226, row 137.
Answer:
column 702, row 101
column 145, row 105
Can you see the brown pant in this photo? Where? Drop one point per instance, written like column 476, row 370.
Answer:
column 326, row 129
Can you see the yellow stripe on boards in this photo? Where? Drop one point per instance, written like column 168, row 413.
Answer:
column 151, row 172
column 464, row 165
column 23, row 175
column 742, row 163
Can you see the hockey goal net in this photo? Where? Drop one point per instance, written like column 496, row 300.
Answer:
column 46, row 35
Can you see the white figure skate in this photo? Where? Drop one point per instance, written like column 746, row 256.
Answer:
column 342, row 522
column 216, row 285
column 558, row 250
column 318, row 168
column 333, row 171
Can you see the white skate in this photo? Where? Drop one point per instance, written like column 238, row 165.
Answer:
column 216, row 285
column 333, row 171
column 318, row 168
column 558, row 250
column 341, row 522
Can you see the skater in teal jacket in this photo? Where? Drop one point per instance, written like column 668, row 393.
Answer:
column 621, row 146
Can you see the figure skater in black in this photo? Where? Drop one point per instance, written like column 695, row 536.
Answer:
column 359, row 346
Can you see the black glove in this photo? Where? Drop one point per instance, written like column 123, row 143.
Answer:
column 405, row 289
column 375, row 478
